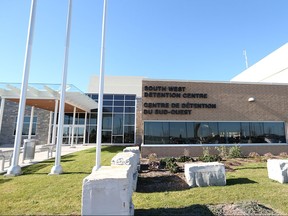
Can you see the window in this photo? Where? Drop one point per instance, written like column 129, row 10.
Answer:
column 118, row 125
column 178, row 132
column 26, row 124
column 213, row 132
column 156, row 133
column 229, row 132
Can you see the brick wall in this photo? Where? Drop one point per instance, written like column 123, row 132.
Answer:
column 9, row 119
column 230, row 99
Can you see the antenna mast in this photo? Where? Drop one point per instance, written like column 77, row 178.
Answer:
column 246, row 60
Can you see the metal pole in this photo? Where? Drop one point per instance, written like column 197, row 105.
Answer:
column 15, row 169
column 1, row 111
column 100, row 97
column 57, row 168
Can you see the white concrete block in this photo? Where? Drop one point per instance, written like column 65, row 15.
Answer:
column 278, row 170
column 205, row 174
column 125, row 158
column 135, row 150
column 107, row 191
column 128, row 158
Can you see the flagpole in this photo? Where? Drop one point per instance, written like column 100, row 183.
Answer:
column 57, row 168
column 101, row 89
column 15, row 169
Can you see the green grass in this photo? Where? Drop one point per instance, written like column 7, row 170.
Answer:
column 35, row 192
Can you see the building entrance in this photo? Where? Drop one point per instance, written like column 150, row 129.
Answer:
column 78, row 137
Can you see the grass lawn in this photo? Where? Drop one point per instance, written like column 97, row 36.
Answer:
column 35, row 192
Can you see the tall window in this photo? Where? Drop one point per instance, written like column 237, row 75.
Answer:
column 26, row 124
column 118, row 123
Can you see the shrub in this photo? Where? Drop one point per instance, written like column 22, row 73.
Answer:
column 153, row 161
column 223, row 151
column 268, row 155
column 206, row 157
column 184, row 158
column 253, row 155
column 210, row 158
column 172, row 167
column 235, row 152
column 206, row 151
column 283, row 154
column 170, row 164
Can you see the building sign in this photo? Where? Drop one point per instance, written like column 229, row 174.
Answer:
column 170, row 92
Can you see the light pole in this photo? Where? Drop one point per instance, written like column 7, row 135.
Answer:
column 101, row 89
column 57, row 168
column 15, row 169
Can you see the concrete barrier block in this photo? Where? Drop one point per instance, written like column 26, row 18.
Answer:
column 108, row 191
column 278, row 170
column 128, row 158
column 135, row 150
column 205, row 174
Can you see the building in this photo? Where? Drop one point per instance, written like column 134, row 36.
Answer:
column 166, row 117
column 41, row 113
column 182, row 117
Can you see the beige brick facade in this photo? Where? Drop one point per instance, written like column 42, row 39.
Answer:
column 204, row 101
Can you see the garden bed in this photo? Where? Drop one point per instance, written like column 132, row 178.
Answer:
column 157, row 178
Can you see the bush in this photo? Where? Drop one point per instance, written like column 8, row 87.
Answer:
column 164, row 161
column 206, row 151
column 269, row 155
column 206, row 157
column 253, row 155
column 223, row 151
column 172, row 167
column 210, row 158
column 170, row 164
column 184, row 159
column 153, row 161
column 283, row 154
column 235, row 152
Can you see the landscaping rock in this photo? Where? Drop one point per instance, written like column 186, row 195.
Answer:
column 205, row 174
column 278, row 170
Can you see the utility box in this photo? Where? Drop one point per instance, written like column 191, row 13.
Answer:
column 29, row 149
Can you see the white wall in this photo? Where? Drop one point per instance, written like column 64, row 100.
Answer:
column 272, row 68
column 117, row 85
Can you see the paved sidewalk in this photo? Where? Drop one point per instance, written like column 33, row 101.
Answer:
column 43, row 155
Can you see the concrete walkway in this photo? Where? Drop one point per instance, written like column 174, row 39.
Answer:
column 42, row 155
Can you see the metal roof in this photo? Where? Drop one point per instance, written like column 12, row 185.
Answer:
column 44, row 95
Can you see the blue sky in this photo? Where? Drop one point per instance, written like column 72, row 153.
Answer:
column 161, row 39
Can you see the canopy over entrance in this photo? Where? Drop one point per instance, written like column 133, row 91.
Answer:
column 44, row 95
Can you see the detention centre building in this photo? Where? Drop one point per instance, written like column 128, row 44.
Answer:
column 166, row 117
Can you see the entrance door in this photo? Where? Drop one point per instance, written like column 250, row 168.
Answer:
column 78, row 134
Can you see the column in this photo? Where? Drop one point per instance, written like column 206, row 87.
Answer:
column 55, row 123
column 85, row 125
column 49, row 129
column 1, row 111
column 31, row 122
column 73, row 128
